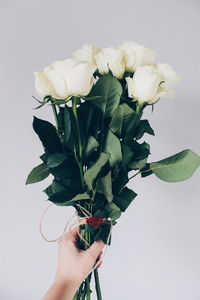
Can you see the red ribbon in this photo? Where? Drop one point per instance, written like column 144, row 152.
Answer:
column 94, row 221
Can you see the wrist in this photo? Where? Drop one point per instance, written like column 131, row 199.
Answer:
column 69, row 286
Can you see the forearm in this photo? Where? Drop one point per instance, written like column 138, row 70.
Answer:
column 61, row 292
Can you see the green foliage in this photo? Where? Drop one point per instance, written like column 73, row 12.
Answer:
column 121, row 119
column 104, row 186
column 177, row 167
column 54, row 188
column 120, row 180
column 78, row 197
column 143, row 127
column 67, row 172
column 109, row 210
column 124, row 198
column 146, row 171
column 113, row 146
column 103, row 234
column 91, row 146
column 65, row 197
column 141, row 153
column 65, row 121
column 38, row 173
column 48, row 135
column 91, row 174
column 93, row 150
column 55, row 159
column 110, row 90
column 127, row 154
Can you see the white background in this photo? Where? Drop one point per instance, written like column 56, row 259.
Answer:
column 156, row 244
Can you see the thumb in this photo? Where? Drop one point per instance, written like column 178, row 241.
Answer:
column 95, row 249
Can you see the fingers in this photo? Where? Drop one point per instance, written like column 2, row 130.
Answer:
column 95, row 250
column 71, row 235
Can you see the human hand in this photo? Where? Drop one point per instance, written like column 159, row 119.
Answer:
column 73, row 266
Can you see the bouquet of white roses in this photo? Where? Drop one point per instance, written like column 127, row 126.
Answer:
column 98, row 98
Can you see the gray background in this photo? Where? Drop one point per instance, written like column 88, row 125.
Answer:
column 156, row 244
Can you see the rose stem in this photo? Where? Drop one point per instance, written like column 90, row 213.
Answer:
column 97, row 285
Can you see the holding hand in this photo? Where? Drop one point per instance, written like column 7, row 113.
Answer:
column 73, row 266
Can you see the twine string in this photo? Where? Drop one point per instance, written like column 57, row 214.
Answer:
column 79, row 221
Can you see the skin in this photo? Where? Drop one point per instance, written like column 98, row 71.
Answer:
column 73, row 266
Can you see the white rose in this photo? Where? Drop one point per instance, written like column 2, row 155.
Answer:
column 110, row 58
column 136, row 55
column 87, row 53
column 151, row 82
column 144, row 86
column 68, row 78
column 43, row 86
column 169, row 79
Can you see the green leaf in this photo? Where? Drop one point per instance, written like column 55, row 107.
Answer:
column 110, row 90
column 124, row 198
column 138, row 164
column 54, row 188
column 68, row 172
column 127, row 154
column 39, row 173
column 48, row 135
column 177, row 167
column 93, row 171
column 110, row 210
column 113, row 146
column 121, row 180
column 121, row 119
column 91, row 98
column 78, row 197
column 70, row 137
column 104, row 186
column 145, row 171
column 55, row 159
column 46, row 99
column 89, row 121
column 92, row 144
column 130, row 130
column 143, row 127
column 141, row 151
column 103, row 233
column 64, row 196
